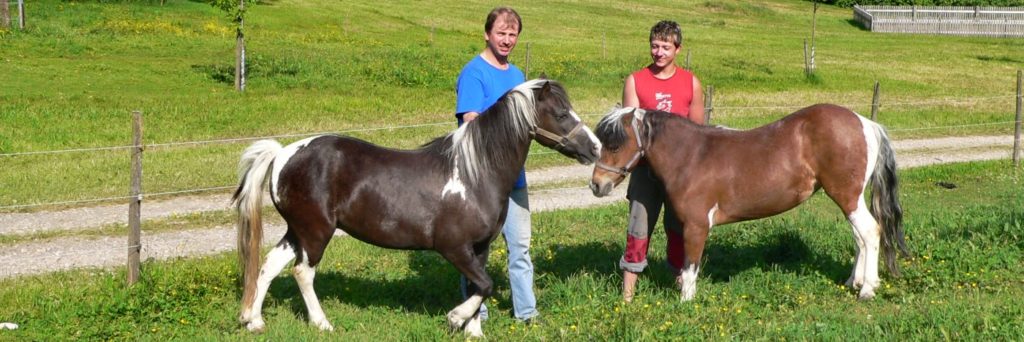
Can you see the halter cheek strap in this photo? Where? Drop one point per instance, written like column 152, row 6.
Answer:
column 560, row 141
column 625, row 170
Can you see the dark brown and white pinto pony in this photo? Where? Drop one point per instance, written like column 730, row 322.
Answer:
column 715, row 176
column 451, row 195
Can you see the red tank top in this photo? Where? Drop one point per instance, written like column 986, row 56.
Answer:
column 671, row 95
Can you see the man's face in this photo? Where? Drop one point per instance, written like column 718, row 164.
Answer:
column 503, row 36
column 663, row 52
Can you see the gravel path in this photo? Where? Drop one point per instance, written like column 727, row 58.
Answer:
column 76, row 252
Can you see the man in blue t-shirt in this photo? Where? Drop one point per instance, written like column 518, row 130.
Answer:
column 482, row 81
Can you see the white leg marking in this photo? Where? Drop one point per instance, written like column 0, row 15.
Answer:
column 276, row 260
column 304, row 277
column 454, row 185
column 474, row 328
column 688, row 288
column 458, row 316
column 282, row 160
column 711, row 216
column 868, row 231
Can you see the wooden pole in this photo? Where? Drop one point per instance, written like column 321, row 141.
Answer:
column 874, row 104
column 527, row 60
column 240, row 50
column 21, row 14
column 5, row 14
column 604, row 46
column 135, row 201
column 807, row 67
column 709, row 105
column 1016, row 125
column 814, row 30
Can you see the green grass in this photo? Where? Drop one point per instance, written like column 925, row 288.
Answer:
column 771, row 279
column 73, row 77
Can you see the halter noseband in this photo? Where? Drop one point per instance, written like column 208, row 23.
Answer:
column 560, row 141
column 625, row 170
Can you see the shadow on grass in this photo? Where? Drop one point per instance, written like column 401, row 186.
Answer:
column 432, row 287
column 782, row 251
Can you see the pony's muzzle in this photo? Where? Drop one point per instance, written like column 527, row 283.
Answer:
column 601, row 189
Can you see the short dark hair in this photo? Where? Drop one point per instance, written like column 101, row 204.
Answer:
column 668, row 31
column 499, row 12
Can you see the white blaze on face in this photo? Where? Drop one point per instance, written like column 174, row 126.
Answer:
column 454, row 185
column 590, row 134
column 282, row 159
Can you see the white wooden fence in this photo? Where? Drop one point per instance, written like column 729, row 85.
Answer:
column 949, row 20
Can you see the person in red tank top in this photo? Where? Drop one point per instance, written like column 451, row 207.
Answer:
column 666, row 87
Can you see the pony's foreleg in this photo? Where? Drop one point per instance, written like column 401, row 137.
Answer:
column 694, row 238
column 277, row 259
column 868, row 234
column 304, row 275
column 472, row 267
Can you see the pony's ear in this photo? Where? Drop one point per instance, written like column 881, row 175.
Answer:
column 639, row 113
column 543, row 76
column 546, row 88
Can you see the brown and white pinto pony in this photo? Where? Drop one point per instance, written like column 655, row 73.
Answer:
column 451, row 195
column 715, row 176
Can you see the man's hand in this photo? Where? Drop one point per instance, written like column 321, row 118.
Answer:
column 469, row 116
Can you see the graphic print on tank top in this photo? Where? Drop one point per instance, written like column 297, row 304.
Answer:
column 664, row 101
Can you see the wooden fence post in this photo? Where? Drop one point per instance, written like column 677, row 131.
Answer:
column 807, row 65
column 240, row 49
column 874, row 104
column 688, row 59
column 814, row 29
column 709, row 104
column 1016, row 124
column 5, row 14
column 135, row 201
column 21, row 14
column 527, row 60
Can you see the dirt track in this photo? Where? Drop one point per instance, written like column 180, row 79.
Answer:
column 76, row 252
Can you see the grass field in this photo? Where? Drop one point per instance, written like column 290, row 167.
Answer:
column 72, row 78
column 773, row 279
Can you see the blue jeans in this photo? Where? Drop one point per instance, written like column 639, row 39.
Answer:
column 517, row 232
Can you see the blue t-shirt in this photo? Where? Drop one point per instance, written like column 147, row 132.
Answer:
column 480, row 85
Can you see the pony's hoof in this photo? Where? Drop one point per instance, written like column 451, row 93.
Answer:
column 474, row 328
column 454, row 322
column 866, row 294
column 324, row 325
column 256, row 325
column 853, row 283
column 245, row 317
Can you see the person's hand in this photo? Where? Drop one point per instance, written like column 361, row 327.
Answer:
column 470, row 116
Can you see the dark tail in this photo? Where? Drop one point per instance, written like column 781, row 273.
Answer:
column 885, row 202
column 248, row 201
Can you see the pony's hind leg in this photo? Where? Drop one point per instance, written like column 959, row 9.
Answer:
column 312, row 243
column 304, row 274
column 868, row 235
column 277, row 259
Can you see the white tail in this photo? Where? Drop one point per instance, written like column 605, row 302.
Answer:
column 253, row 169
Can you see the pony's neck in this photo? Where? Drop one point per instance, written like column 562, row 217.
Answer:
column 671, row 139
column 493, row 148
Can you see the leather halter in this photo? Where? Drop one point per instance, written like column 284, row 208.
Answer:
column 625, row 170
column 559, row 141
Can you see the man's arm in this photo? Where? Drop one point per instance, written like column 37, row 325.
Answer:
column 697, row 104
column 629, row 98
